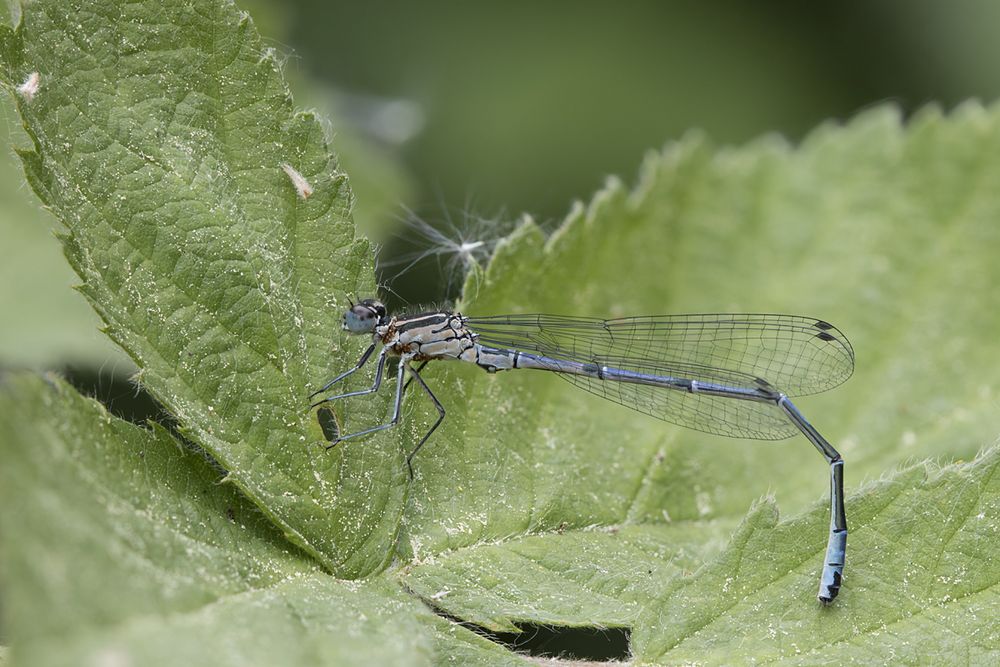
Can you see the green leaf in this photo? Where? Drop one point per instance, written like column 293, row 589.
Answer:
column 129, row 549
column 161, row 142
column 164, row 140
column 97, row 492
column 924, row 583
column 551, row 579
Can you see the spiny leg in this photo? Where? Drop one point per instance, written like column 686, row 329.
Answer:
column 395, row 413
column 380, row 366
column 415, row 375
column 419, row 368
column 361, row 362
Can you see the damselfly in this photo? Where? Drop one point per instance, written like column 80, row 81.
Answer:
column 725, row 374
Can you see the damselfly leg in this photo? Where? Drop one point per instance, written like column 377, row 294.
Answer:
column 410, row 381
column 397, row 406
column 437, row 405
column 361, row 362
column 379, row 368
column 401, row 388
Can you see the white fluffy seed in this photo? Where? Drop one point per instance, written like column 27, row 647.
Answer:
column 29, row 88
column 302, row 186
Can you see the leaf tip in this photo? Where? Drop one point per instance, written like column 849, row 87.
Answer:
column 614, row 188
column 765, row 510
column 244, row 19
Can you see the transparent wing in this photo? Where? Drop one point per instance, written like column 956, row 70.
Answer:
column 796, row 355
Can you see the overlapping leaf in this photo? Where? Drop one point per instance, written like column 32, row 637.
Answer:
column 161, row 135
column 129, row 550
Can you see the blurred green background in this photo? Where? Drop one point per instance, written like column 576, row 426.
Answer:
column 471, row 109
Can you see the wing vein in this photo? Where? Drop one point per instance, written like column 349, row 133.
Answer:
column 797, row 355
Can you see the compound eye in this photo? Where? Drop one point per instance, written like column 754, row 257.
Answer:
column 360, row 319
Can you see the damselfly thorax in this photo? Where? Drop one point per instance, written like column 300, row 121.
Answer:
column 444, row 335
column 429, row 336
column 728, row 374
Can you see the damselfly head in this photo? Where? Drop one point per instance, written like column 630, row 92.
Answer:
column 364, row 316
